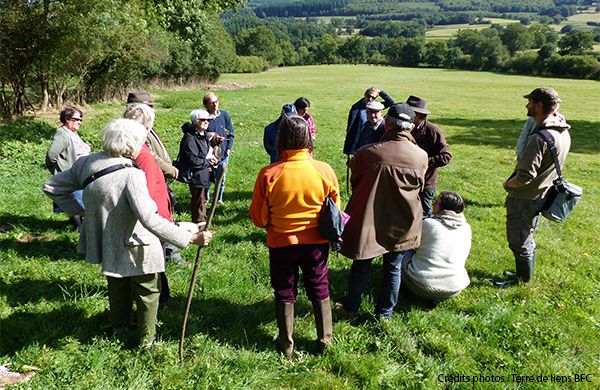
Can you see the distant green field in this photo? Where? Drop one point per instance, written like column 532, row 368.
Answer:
column 450, row 30
column 53, row 305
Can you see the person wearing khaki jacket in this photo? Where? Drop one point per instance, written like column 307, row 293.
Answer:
column 531, row 179
column 385, row 210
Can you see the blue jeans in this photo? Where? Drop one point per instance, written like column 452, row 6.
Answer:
column 426, row 201
column 218, row 170
column 390, row 284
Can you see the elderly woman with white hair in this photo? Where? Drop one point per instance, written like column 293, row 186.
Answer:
column 155, row 180
column 122, row 229
column 196, row 156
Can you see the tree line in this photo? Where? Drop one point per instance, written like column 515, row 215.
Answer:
column 90, row 50
column 534, row 49
column 94, row 50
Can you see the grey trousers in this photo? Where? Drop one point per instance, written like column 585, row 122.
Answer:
column 522, row 219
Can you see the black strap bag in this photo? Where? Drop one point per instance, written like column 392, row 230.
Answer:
column 563, row 196
column 185, row 171
column 331, row 223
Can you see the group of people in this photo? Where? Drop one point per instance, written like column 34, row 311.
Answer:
column 393, row 162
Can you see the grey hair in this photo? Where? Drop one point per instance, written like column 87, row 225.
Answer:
column 123, row 137
column 399, row 124
column 198, row 114
column 141, row 113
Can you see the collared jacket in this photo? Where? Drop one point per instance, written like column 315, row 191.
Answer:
column 288, row 196
column 161, row 155
column 535, row 170
column 157, row 187
column 122, row 229
column 430, row 138
column 222, row 125
column 385, row 210
column 193, row 150
column 270, row 140
column 357, row 118
column 61, row 153
column 370, row 134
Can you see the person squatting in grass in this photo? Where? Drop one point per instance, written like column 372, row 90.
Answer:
column 65, row 149
column 122, row 229
column 533, row 176
column 436, row 271
column 222, row 126
column 385, row 210
column 195, row 152
column 288, row 196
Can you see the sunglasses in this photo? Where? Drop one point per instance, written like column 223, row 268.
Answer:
column 77, row 119
column 213, row 102
column 203, row 120
column 371, row 97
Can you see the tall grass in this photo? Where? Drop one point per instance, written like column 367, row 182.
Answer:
column 53, row 305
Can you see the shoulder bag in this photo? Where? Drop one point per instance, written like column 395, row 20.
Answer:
column 562, row 196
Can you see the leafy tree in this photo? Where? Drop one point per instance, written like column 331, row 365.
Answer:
column 575, row 66
column 326, row 49
column 354, row 50
column 435, row 53
column 261, row 42
column 576, row 43
column 516, row 37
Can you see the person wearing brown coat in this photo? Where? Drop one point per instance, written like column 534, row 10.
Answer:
column 385, row 209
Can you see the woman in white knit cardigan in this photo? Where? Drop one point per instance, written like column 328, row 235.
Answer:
column 437, row 269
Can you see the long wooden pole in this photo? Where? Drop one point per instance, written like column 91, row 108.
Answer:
column 209, row 218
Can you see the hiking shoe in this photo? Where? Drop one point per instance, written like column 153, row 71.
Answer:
column 506, row 283
column 351, row 316
column 8, row 377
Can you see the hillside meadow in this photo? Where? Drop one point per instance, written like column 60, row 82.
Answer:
column 53, row 305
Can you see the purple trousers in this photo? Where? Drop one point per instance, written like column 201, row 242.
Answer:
column 311, row 259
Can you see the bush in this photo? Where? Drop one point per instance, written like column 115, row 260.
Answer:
column 523, row 63
column 251, row 64
column 581, row 67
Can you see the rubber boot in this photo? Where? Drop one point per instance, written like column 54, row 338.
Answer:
column 285, row 322
column 525, row 269
column 323, row 323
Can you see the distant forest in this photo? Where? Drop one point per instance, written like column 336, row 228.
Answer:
column 93, row 50
column 433, row 12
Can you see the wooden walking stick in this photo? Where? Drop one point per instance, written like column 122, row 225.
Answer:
column 209, row 218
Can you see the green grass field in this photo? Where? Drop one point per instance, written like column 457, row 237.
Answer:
column 53, row 305
column 449, row 31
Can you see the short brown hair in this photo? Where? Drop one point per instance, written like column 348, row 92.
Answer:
column 68, row 112
column 293, row 133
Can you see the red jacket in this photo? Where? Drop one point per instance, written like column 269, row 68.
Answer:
column 157, row 187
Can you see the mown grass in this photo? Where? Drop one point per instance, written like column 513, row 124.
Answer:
column 53, row 306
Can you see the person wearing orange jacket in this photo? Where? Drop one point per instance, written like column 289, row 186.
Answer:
column 287, row 200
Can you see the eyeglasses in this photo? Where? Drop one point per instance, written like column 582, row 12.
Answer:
column 77, row 119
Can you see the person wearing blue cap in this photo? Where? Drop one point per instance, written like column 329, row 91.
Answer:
column 270, row 135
